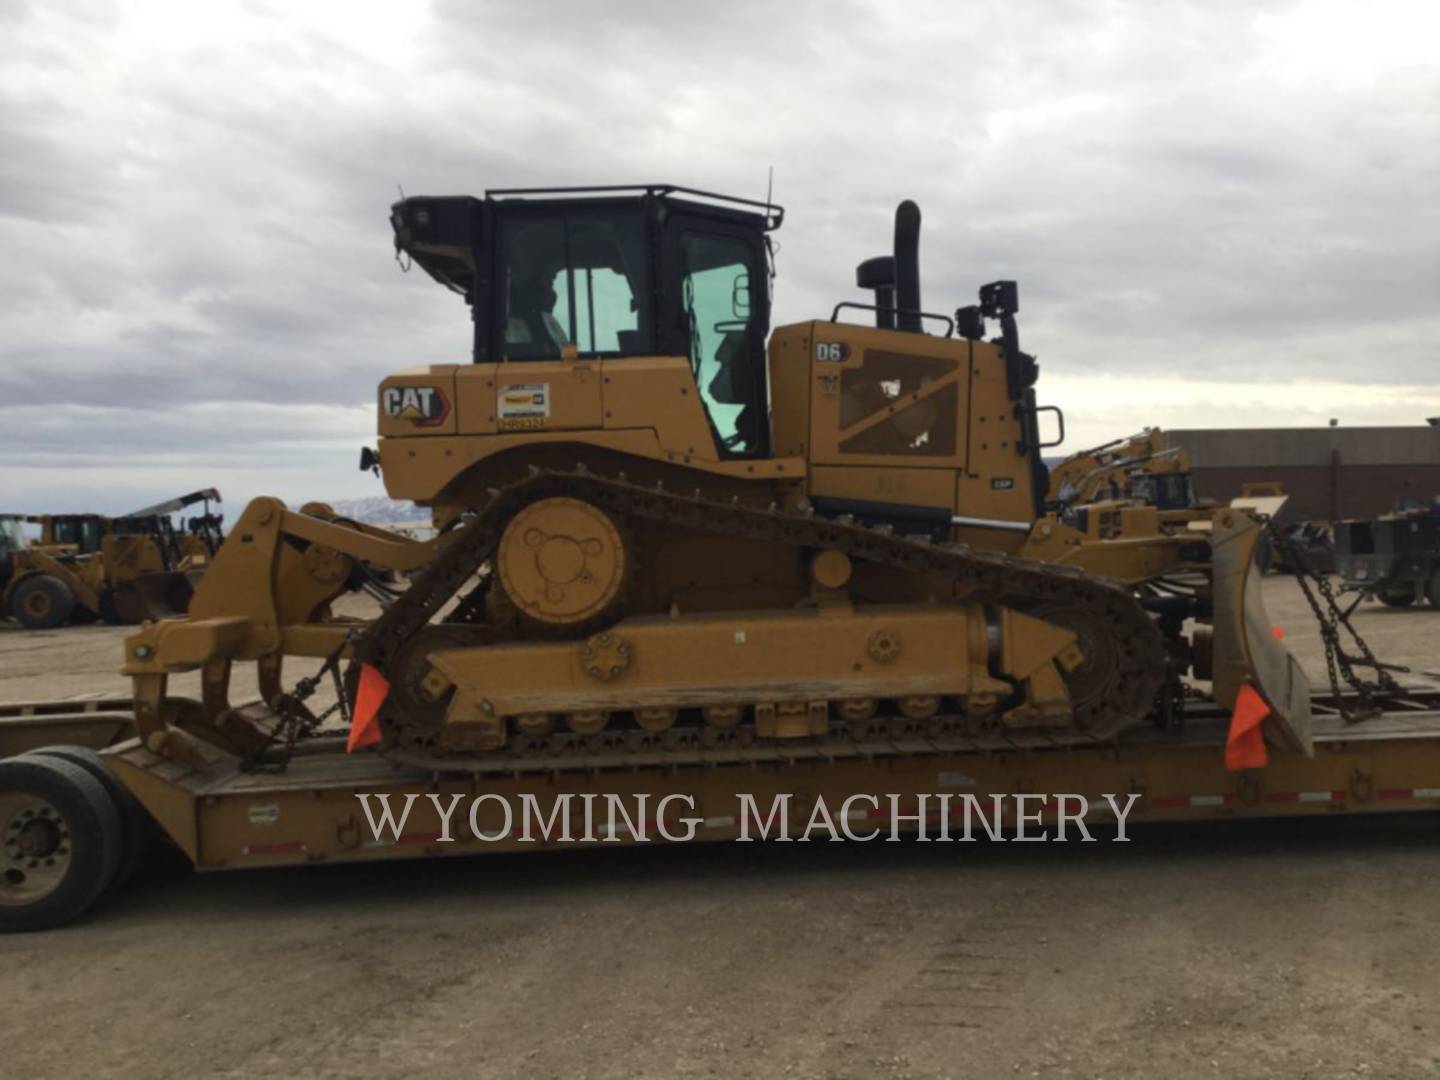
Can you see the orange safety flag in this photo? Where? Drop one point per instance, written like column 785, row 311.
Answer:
column 364, row 716
column 1245, row 746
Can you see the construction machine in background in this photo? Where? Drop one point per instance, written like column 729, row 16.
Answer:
column 658, row 527
column 1138, row 467
column 83, row 567
column 1394, row 558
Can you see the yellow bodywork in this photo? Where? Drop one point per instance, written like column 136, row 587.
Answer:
column 584, row 611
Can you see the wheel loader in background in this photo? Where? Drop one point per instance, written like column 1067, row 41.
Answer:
column 664, row 526
column 121, row 570
column 1137, row 467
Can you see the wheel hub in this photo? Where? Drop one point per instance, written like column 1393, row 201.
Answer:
column 34, row 849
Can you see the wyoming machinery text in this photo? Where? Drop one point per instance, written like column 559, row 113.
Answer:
column 597, row 818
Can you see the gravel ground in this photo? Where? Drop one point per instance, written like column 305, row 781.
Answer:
column 1285, row 949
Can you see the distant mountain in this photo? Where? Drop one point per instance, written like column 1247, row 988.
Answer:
column 378, row 510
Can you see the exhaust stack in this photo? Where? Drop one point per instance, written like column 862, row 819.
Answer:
column 895, row 278
column 907, row 266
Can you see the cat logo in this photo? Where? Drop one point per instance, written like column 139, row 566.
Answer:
column 423, row 406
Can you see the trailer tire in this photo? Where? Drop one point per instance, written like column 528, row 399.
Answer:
column 1432, row 589
column 41, row 602
column 60, row 840
column 1402, row 597
column 1266, row 557
column 137, row 830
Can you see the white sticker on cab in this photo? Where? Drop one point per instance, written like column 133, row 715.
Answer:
column 529, row 400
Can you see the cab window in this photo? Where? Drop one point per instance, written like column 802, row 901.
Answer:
column 574, row 279
column 715, row 290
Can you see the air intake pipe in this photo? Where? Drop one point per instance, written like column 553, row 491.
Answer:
column 907, row 267
column 878, row 274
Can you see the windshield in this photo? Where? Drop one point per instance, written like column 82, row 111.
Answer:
column 12, row 537
column 576, row 279
column 83, row 532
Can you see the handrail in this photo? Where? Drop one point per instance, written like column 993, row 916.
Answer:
column 946, row 319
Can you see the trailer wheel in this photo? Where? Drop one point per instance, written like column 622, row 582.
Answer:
column 1432, row 589
column 136, row 827
column 59, row 842
column 41, row 602
column 1266, row 557
column 1402, row 597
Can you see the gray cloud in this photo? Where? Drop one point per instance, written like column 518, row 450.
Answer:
column 193, row 197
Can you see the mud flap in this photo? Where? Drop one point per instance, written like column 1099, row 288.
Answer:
column 1245, row 649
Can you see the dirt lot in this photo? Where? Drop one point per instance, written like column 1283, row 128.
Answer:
column 1255, row 949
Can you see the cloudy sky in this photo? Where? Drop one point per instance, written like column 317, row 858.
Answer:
column 1219, row 214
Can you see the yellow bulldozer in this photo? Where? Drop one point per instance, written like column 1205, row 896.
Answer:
column 666, row 526
column 83, row 567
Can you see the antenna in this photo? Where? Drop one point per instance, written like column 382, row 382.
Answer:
column 770, row 246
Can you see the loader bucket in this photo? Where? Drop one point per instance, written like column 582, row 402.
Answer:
column 1245, row 647
column 164, row 595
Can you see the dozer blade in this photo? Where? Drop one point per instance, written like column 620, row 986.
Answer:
column 1245, row 647
column 164, row 595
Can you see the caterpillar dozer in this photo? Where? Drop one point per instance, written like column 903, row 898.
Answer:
column 666, row 527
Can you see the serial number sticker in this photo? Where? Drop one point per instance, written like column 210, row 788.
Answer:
column 531, row 400
column 522, row 423
column 264, row 813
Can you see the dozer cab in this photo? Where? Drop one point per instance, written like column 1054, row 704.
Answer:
column 664, row 525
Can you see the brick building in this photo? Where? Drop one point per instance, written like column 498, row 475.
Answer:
column 1329, row 472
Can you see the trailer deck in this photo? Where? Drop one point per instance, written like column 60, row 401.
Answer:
column 224, row 816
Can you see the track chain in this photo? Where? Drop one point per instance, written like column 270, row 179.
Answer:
column 1135, row 642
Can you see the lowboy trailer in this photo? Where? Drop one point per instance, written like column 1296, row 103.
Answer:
column 74, row 819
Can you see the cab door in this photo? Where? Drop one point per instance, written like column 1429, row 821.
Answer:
column 717, row 298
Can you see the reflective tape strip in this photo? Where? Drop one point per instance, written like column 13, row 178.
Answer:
column 907, row 813
column 1408, row 793
column 1305, row 796
column 293, row 847
column 1176, row 802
